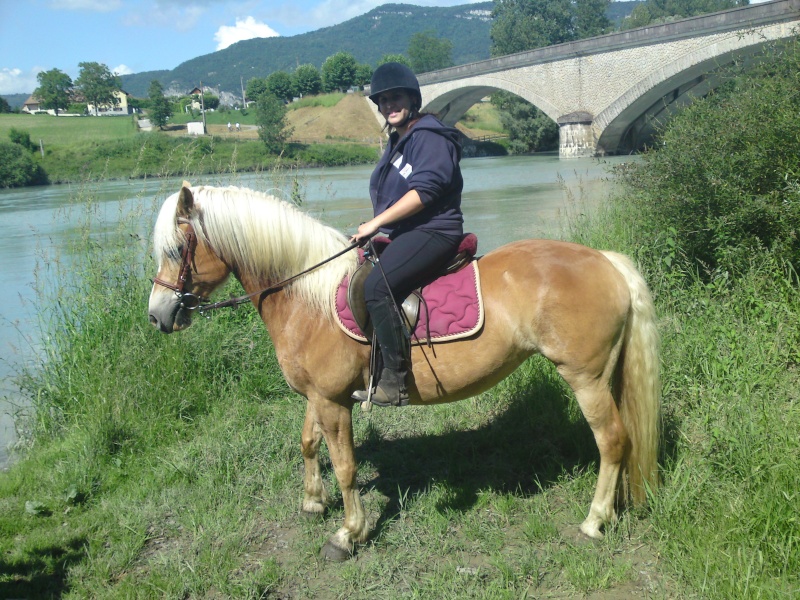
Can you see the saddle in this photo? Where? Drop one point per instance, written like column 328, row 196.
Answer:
column 461, row 288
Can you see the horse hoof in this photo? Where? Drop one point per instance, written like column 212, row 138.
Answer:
column 591, row 531
column 334, row 553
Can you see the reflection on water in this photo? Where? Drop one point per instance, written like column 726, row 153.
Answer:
column 505, row 199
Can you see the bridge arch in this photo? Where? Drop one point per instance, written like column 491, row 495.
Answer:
column 607, row 93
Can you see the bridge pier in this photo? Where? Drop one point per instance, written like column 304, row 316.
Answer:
column 576, row 138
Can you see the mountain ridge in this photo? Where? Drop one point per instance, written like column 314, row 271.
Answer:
column 386, row 29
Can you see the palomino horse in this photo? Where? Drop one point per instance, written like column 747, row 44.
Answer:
column 588, row 312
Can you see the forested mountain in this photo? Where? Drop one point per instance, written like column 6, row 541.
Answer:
column 383, row 30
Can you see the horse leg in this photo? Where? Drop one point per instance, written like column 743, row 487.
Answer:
column 600, row 410
column 335, row 421
column 315, row 498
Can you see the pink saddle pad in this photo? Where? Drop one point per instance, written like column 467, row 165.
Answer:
column 454, row 308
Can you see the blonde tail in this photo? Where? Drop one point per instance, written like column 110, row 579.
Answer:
column 638, row 392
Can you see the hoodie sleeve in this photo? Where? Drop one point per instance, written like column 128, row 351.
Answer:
column 434, row 161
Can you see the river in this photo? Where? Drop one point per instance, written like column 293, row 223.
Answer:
column 504, row 199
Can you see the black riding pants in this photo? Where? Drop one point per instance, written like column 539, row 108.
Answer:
column 413, row 259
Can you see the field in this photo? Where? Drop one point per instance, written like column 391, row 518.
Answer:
column 328, row 118
column 64, row 131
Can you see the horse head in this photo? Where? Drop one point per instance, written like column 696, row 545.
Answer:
column 188, row 269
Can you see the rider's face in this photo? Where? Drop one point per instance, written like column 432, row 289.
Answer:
column 395, row 106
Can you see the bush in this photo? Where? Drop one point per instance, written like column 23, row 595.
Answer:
column 724, row 187
column 21, row 137
column 18, row 168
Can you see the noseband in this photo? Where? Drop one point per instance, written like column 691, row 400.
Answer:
column 188, row 300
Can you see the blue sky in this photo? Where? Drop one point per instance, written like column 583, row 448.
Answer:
column 131, row 36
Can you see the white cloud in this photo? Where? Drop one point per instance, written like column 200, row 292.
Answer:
column 245, row 29
column 16, row 81
column 122, row 70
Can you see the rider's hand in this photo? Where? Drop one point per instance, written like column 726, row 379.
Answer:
column 365, row 231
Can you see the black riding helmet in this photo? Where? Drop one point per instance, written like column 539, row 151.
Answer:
column 393, row 76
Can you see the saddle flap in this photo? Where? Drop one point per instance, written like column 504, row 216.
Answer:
column 358, row 306
column 355, row 298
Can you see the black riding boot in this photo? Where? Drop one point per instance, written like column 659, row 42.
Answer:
column 393, row 341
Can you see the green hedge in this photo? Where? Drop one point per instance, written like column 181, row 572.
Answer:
column 723, row 180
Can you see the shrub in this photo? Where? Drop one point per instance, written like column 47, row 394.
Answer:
column 21, row 137
column 18, row 168
column 725, row 187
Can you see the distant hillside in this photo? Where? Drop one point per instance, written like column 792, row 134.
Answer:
column 16, row 100
column 383, row 30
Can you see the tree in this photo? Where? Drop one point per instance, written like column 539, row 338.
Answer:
column 521, row 25
column 591, row 18
column 429, row 53
column 55, row 89
column 398, row 58
column 5, row 107
column 363, row 75
column 254, row 88
column 273, row 128
column 529, row 129
column 160, row 109
column 661, row 11
column 210, row 101
column 280, row 84
column 97, row 84
column 307, row 81
column 339, row 72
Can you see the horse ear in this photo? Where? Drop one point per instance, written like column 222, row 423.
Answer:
column 185, row 200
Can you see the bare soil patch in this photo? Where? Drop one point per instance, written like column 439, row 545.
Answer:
column 351, row 120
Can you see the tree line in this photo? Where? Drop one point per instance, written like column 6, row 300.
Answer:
column 96, row 85
column 517, row 26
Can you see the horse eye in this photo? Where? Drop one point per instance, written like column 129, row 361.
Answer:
column 174, row 254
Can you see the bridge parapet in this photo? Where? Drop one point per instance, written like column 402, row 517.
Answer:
column 609, row 93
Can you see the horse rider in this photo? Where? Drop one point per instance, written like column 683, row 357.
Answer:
column 416, row 197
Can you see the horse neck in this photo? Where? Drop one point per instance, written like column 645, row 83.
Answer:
column 290, row 322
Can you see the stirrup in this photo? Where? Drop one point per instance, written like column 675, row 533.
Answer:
column 361, row 395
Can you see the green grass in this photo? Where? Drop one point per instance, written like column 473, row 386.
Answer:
column 324, row 100
column 244, row 117
column 169, row 466
column 63, row 131
column 483, row 116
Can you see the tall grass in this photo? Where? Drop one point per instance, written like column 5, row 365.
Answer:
column 726, row 516
column 169, row 466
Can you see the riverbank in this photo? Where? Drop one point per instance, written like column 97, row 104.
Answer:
column 172, row 464
column 325, row 134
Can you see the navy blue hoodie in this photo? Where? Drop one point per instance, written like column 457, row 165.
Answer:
column 426, row 160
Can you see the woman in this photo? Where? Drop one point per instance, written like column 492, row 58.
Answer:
column 416, row 197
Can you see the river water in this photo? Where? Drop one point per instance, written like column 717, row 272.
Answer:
column 505, row 199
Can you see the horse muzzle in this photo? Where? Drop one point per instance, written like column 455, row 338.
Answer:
column 167, row 313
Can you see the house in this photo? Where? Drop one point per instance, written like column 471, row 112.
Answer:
column 32, row 105
column 119, row 107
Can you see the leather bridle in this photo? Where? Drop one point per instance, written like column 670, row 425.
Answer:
column 188, row 300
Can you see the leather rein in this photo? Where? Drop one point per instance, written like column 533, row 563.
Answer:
column 190, row 301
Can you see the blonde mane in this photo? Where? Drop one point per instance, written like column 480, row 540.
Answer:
column 264, row 237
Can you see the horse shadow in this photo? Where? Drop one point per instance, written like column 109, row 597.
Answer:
column 537, row 437
column 43, row 573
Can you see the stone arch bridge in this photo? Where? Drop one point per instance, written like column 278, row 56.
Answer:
column 607, row 93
